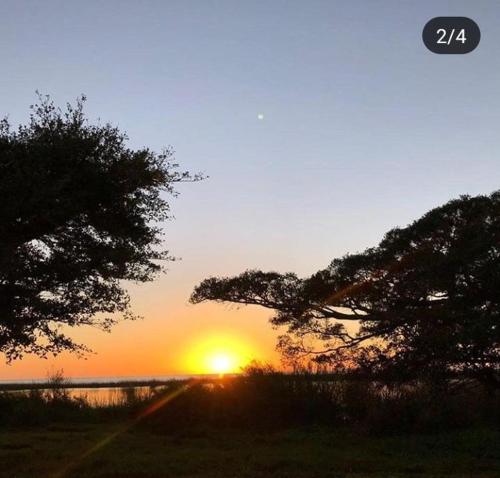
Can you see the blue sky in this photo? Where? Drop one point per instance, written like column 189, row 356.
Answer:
column 363, row 129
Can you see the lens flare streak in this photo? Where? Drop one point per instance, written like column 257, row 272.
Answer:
column 108, row 439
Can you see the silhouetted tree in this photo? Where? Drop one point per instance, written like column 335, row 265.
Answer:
column 427, row 298
column 77, row 216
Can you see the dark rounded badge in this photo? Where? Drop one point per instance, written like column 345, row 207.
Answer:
column 451, row 35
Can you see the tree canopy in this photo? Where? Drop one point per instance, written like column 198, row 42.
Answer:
column 426, row 298
column 79, row 214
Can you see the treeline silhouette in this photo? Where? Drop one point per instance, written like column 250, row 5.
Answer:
column 425, row 300
column 79, row 216
column 266, row 399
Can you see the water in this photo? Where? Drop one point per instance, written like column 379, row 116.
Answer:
column 101, row 391
column 116, row 379
column 109, row 396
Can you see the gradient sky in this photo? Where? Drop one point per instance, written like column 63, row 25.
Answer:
column 363, row 129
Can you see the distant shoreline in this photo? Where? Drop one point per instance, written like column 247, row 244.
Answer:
column 40, row 384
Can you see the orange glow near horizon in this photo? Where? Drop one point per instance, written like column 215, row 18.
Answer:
column 173, row 339
column 218, row 354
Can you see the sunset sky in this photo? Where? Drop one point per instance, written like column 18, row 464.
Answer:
column 321, row 124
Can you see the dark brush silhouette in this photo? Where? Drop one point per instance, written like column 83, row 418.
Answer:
column 427, row 299
column 77, row 216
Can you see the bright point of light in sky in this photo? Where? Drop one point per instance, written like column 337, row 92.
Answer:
column 218, row 353
column 221, row 363
column 260, row 116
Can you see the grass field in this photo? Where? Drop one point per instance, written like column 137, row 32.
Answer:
column 117, row 450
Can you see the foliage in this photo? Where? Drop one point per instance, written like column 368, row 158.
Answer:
column 78, row 216
column 267, row 400
column 272, row 401
column 426, row 299
column 57, row 386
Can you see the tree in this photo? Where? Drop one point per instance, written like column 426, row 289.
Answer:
column 79, row 214
column 427, row 298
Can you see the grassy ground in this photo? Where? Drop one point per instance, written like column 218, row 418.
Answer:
column 113, row 450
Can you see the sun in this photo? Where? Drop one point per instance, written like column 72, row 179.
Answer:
column 221, row 363
column 218, row 354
